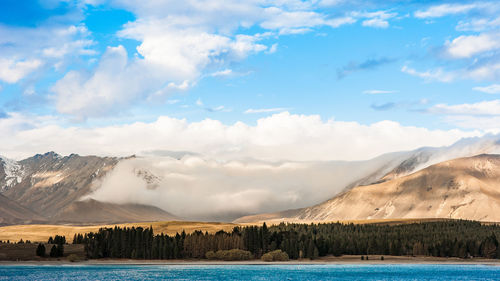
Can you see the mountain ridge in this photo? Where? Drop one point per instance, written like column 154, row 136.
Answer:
column 464, row 188
column 48, row 188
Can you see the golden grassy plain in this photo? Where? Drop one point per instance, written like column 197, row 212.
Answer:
column 42, row 232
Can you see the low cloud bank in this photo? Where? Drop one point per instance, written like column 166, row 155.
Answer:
column 278, row 137
column 199, row 188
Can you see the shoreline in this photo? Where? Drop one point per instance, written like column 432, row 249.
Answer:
column 344, row 260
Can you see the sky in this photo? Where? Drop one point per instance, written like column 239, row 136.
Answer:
column 293, row 80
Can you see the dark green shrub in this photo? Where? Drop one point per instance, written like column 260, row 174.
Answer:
column 229, row 255
column 276, row 255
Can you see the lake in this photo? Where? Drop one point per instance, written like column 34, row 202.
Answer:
column 250, row 272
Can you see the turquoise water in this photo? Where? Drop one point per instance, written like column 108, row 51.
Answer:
column 251, row 272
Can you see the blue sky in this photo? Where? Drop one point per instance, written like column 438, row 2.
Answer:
column 354, row 78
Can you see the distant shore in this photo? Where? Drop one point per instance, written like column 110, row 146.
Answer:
column 344, row 260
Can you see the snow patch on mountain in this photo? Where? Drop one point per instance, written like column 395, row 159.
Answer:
column 14, row 173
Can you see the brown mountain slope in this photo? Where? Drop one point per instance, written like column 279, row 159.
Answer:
column 52, row 186
column 464, row 188
column 95, row 212
column 51, row 182
column 13, row 213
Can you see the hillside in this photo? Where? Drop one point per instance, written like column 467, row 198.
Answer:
column 95, row 212
column 13, row 213
column 49, row 188
column 51, row 182
column 464, row 188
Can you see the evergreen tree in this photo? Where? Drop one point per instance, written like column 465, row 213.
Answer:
column 40, row 250
column 54, row 252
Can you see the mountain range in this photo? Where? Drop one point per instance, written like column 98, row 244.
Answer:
column 457, row 181
column 49, row 188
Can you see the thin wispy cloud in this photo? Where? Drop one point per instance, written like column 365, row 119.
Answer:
column 378, row 92
column 225, row 72
column 484, row 108
column 383, row 106
column 369, row 64
column 491, row 89
column 266, row 110
column 446, row 9
column 219, row 108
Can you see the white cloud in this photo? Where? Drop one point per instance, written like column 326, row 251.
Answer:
column 12, row 71
column 173, row 101
column 225, row 72
column 378, row 19
column 292, row 22
column 486, row 123
column 376, row 22
column 273, row 48
column 266, row 110
column 467, row 46
column 377, row 92
column 25, row 50
column 181, row 43
column 445, row 9
column 490, row 70
column 479, row 24
column 280, row 136
column 114, row 83
column 484, row 108
column 480, row 70
column 491, row 89
column 430, row 75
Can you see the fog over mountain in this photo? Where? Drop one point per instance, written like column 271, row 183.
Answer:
column 197, row 187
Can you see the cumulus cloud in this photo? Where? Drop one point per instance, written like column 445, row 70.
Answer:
column 181, row 43
column 114, row 82
column 24, row 50
column 171, row 60
column 175, row 49
column 466, row 46
column 276, row 137
column 12, row 71
column 183, row 53
column 478, row 53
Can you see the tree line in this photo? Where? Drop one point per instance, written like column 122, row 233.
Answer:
column 57, row 249
column 460, row 238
